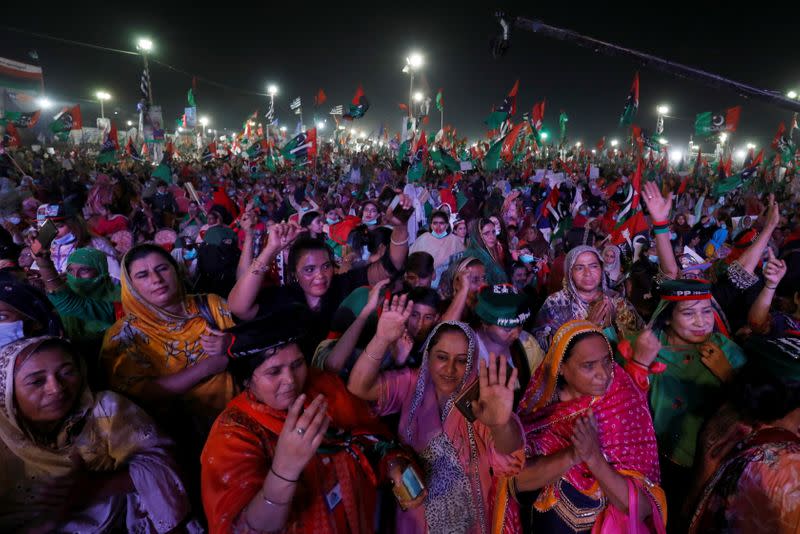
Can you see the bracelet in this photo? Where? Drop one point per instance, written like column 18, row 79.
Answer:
column 770, row 287
column 280, row 477
column 660, row 223
column 643, row 366
column 659, row 231
column 258, row 267
column 273, row 503
column 400, row 243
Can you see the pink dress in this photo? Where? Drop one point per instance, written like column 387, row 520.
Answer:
column 456, row 456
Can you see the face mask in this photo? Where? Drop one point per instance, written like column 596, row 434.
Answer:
column 584, row 212
column 83, row 286
column 331, row 221
column 65, row 240
column 439, row 235
column 10, row 332
column 189, row 254
column 371, row 223
column 653, row 259
column 526, row 258
column 14, row 220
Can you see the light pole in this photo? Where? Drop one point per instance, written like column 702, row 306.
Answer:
column 102, row 96
column 418, row 97
column 145, row 46
column 662, row 112
column 413, row 62
column 204, row 122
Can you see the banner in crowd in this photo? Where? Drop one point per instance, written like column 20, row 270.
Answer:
column 190, row 114
column 20, row 84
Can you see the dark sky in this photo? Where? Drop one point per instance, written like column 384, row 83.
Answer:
column 302, row 48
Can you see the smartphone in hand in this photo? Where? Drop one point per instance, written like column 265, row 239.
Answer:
column 47, row 233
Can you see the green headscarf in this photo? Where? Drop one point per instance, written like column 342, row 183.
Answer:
column 98, row 288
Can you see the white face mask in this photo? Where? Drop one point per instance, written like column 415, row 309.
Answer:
column 10, row 332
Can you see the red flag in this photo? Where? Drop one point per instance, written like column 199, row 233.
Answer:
column 358, row 95
column 635, row 224
column 727, row 165
column 13, row 135
column 320, row 98
column 601, row 143
column 311, row 137
column 513, row 95
column 112, row 134
column 507, row 150
column 756, row 162
column 537, row 115
column 144, row 151
column 732, row 118
column 776, row 141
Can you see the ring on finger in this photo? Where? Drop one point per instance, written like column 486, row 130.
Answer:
column 300, row 430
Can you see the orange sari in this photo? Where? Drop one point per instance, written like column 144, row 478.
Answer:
column 241, row 445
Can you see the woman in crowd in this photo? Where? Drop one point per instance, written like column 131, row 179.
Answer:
column 311, row 221
column 26, row 312
column 169, row 345
column 485, row 246
column 439, row 243
column 684, row 364
column 289, row 453
column 612, row 269
column 313, row 282
column 584, row 297
column 77, row 461
column 593, row 460
column 460, row 456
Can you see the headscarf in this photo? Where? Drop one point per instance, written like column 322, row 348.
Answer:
column 491, row 259
column 460, row 504
column 625, row 428
column 32, row 303
column 613, row 269
column 579, row 305
column 101, row 287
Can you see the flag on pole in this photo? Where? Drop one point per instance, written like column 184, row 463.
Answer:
column 68, row 119
column 190, row 99
column 210, row 152
column 707, row 123
column 632, row 103
column 358, row 107
column 302, row 147
column 21, row 119
column 294, row 104
column 440, row 100
column 337, row 110
column 416, row 169
column 320, row 98
column 562, row 123
column 783, row 145
column 109, row 148
column 144, row 86
column 507, row 109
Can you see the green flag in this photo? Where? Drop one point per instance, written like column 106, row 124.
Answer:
column 562, row 121
column 104, row 158
column 402, row 152
column 440, row 101
column 491, row 162
column 163, row 172
column 190, row 99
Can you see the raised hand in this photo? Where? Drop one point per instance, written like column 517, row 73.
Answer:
column 774, row 270
column 658, row 206
column 773, row 213
column 281, row 236
column 646, row 347
column 375, row 293
column 393, row 319
column 404, row 203
column 248, row 221
column 496, row 400
column 301, row 437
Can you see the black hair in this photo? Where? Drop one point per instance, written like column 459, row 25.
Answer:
column 141, row 251
column 444, row 329
column 425, row 296
column 518, row 265
column 308, row 218
column 420, row 263
column 377, row 237
column 242, row 369
column 442, row 215
column 306, row 244
column 222, row 212
column 760, row 396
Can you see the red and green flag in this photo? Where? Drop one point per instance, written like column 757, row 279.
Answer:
column 110, row 147
column 783, row 145
column 302, row 147
column 708, row 123
column 417, row 168
column 21, row 77
column 491, row 162
column 68, row 119
column 21, row 119
column 507, row 109
column 358, row 106
column 631, row 103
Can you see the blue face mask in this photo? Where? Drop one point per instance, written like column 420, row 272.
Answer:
column 64, row 240
column 371, row 223
column 438, row 235
column 190, row 254
column 584, row 212
column 526, row 258
column 10, row 332
column 653, row 259
column 331, row 221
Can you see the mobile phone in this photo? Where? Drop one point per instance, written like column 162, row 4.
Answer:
column 401, row 213
column 47, row 233
column 412, row 482
column 464, row 400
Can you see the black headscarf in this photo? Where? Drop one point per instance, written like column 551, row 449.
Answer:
column 41, row 316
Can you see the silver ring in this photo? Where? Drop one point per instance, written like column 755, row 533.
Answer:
column 300, row 431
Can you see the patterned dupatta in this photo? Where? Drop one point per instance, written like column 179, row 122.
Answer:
column 625, row 427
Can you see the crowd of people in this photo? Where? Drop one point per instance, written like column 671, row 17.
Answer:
column 335, row 348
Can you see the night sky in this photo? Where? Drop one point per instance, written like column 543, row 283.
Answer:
column 301, row 49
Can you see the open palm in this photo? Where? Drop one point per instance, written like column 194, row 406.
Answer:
column 496, row 400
